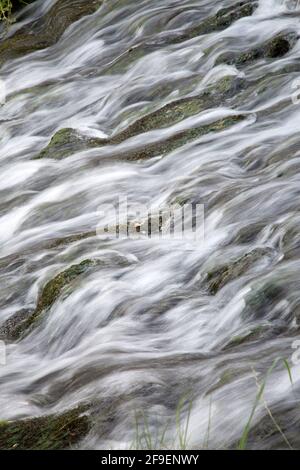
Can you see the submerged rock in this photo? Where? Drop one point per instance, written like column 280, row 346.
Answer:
column 249, row 233
column 257, row 333
column 181, row 138
column 227, row 377
column 272, row 49
column 21, row 323
column 220, row 276
column 47, row 432
column 67, row 141
column 265, row 435
column 181, row 109
column 263, row 299
column 58, row 151
column 221, row 20
column 19, row 4
column 48, row 29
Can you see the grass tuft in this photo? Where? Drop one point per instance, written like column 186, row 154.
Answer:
column 243, row 441
column 5, row 10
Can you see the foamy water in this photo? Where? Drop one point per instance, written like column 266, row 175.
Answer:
column 141, row 332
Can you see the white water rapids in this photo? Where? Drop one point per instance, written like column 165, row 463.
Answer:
column 141, row 333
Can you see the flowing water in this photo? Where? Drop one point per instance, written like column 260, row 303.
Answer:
column 142, row 331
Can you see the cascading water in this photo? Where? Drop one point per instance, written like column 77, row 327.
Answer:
column 155, row 320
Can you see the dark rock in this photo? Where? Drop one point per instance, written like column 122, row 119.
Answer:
column 249, row 233
column 22, row 322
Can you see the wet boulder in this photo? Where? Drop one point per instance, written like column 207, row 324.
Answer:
column 46, row 30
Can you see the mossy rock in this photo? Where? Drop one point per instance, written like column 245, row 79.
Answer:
column 51, row 432
column 67, row 141
column 222, row 275
column 21, row 323
column 275, row 48
column 224, row 18
column 249, row 233
column 180, row 139
column 265, row 434
column 181, row 109
column 48, row 29
column 9, row 329
column 290, row 243
column 131, row 55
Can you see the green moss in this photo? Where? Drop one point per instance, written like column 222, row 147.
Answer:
column 46, row 30
column 249, row 233
column 265, row 435
column 181, row 138
column 67, row 141
column 46, row 432
column 220, row 276
column 274, row 48
column 262, row 298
